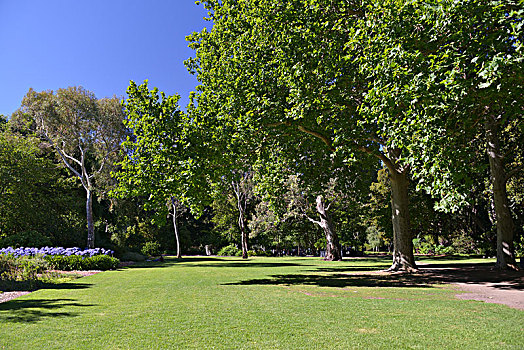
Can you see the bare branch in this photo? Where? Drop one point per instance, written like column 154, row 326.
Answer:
column 73, row 170
column 313, row 220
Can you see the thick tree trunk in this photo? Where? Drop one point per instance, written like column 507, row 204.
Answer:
column 403, row 258
column 333, row 251
column 90, row 225
column 175, row 226
column 504, row 221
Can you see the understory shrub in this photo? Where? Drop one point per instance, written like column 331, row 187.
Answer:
column 13, row 268
column 258, row 253
column 151, row 249
column 80, row 263
column 229, row 250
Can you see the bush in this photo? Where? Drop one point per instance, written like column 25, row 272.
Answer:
column 258, row 253
column 13, row 268
column 151, row 249
column 79, row 263
column 230, row 250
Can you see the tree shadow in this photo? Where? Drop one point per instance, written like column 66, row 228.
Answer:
column 8, row 286
column 249, row 263
column 480, row 273
column 170, row 261
column 213, row 262
column 350, row 268
column 336, row 280
column 426, row 276
column 34, row 310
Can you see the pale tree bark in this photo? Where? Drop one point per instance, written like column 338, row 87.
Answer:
column 333, row 249
column 403, row 257
column 242, row 199
column 90, row 225
column 504, row 221
column 85, row 179
column 174, row 204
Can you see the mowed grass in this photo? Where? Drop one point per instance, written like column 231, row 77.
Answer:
column 262, row 303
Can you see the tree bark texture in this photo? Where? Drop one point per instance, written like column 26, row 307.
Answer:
column 90, row 225
column 175, row 226
column 403, row 258
column 333, row 250
column 504, row 221
column 241, row 204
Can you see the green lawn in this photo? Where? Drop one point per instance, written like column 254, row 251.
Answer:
column 265, row 303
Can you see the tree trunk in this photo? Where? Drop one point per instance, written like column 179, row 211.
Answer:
column 333, row 251
column 241, row 204
column 243, row 233
column 504, row 221
column 403, row 258
column 90, row 225
column 175, row 226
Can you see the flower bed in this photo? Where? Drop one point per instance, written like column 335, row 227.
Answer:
column 57, row 258
column 45, row 251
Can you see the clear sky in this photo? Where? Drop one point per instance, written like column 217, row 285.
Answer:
column 98, row 44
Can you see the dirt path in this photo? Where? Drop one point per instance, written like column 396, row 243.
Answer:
column 491, row 293
column 479, row 282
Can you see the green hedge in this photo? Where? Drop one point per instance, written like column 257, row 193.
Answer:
column 79, row 263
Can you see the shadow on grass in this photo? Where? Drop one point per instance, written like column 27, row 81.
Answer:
column 336, row 280
column 8, row 286
column 170, row 261
column 248, row 263
column 216, row 262
column 479, row 273
column 350, row 268
column 32, row 311
column 427, row 276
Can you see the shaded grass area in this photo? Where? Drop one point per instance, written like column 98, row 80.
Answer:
column 53, row 280
column 275, row 303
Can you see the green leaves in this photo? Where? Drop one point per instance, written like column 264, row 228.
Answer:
column 161, row 157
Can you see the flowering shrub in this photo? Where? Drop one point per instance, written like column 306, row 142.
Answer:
column 46, row 251
column 82, row 263
column 63, row 258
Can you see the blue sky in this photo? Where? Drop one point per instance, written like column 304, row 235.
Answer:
column 97, row 44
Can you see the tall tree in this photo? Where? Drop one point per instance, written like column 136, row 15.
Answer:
column 160, row 158
column 480, row 70
column 277, row 69
column 84, row 131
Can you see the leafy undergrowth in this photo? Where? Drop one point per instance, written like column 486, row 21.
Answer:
column 262, row 303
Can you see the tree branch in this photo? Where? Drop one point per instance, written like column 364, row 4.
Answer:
column 313, row 220
column 513, row 172
column 389, row 164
